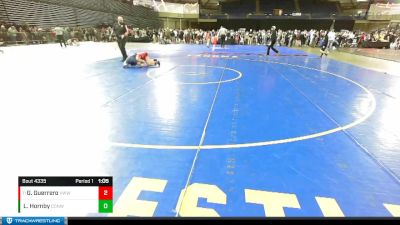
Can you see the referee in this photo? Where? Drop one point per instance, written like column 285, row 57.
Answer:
column 273, row 41
column 121, row 31
column 222, row 35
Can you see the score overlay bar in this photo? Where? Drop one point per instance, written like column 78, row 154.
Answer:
column 65, row 195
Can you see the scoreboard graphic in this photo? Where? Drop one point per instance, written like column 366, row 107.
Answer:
column 64, row 195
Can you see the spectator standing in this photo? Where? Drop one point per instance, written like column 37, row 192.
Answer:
column 12, row 34
column 331, row 39
column 60, row 35
column 3, row 34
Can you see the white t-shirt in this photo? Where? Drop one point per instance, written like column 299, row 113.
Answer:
column 331, row 36
column 222, row 31
column 59, row 31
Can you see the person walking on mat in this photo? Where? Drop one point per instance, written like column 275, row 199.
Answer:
column 324, row 45
column 121, row 31
column 222, row 36
column 60, row 35
column 273, row 41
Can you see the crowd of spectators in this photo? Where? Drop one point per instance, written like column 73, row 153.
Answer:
column 298, row 38
column 11, row 34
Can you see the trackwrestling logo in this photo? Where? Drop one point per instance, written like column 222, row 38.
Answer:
column 33, row 220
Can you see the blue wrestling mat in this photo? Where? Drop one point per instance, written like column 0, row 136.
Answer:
column 233, row 132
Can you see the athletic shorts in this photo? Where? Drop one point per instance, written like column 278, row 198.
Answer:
column 132, row 60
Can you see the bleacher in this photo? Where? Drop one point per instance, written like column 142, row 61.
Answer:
column 240, row 8
column 34, row 13
column 247, row 9
column 3, row 13
column 268, row 6
column 85, row 17
column 94, row 5
column 317, row 7
column 49, row 13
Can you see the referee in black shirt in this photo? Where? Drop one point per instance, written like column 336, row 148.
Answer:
column 273, row 41
column 121, row 31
